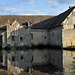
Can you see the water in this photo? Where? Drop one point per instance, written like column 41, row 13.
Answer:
column 47, row 61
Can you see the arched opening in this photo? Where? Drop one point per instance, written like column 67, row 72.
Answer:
column 40, row 46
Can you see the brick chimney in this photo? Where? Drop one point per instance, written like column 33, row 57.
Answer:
column 70, row 7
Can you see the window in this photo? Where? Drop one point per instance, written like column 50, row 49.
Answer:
column 45, row 37
column 31, row 36
column 13, row 58
column 52, row 34
column 13, row 38
column 45, row 56
column 21, row 57
column 21, row 38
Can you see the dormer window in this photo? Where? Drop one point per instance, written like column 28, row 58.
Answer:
column 25, row 24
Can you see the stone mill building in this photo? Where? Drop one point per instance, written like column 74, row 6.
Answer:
column 26, row 30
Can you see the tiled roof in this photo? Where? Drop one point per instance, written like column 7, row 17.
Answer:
column 3, row 28
column 38, row 22
column 53, row 22
column 22, row 19
column 43, row 24
column 60, row 18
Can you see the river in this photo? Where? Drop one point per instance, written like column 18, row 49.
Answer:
column 49, row 61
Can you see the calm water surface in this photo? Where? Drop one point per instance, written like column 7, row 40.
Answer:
column 61, row 59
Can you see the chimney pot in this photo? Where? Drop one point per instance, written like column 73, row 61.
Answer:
column 70, row 7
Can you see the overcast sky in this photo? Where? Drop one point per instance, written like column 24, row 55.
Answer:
column 34, row 7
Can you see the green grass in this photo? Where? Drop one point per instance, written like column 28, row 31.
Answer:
column 8, row 48
column 73, row 64
column 33, row 46
column 71, row 46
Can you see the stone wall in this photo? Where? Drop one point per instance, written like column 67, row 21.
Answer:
column 68, row 36
column 68, row 31
column 47, row 57
column 40, row 57
column 20, row 61
column 40, row 36
column 18, row 32
column 55, row 36
column 37, row 57
column 68, row 58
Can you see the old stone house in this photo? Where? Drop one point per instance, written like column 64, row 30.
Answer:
column 17, row 35
column 59, row 30
column 54, row 30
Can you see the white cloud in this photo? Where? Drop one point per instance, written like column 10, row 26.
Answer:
column 55, row 2
column 66, row 1
column 29, row 2
column 26, row 1
column 3, row 4
column 15, row 11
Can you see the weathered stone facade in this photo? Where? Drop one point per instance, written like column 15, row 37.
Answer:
column 17, row 35
column 68, row 31
column 18, row 61
column 55, row 36
column 40, row 36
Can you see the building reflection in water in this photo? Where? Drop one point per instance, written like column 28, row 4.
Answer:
column 68, row 58
column 17, row 61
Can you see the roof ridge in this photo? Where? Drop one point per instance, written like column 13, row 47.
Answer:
column 61, row 17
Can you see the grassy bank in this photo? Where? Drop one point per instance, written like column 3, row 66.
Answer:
column 73, row 64
column 16, row 48
column 71, row 46
column 47, row 46
column 32, row 47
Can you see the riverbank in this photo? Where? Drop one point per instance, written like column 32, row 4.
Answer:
column 32, row 47
column 25, row 48
column 69, row 49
